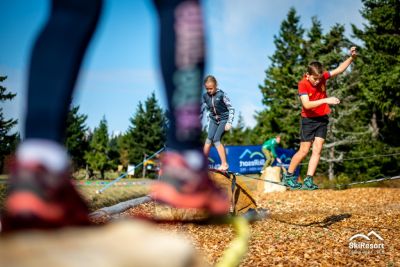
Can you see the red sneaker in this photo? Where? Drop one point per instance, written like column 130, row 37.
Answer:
column 181, row 186
column 39, row 199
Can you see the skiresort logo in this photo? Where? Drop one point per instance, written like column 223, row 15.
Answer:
column 372, row 242
column 285, row 159
column 246, row 159
column 248, row 151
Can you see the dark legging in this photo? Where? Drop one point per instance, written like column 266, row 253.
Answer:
column 182, row 65
column 60, row 47
column 55, row 62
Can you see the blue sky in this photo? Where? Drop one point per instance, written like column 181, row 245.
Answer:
column 121, row 65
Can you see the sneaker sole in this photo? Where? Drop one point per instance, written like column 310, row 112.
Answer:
column 292, row 188
column 25, row 210
column 25, row 203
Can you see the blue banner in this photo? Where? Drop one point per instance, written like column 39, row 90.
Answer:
column 249, row 159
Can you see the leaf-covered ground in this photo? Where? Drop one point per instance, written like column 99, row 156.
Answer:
column 308, row 228
column 304, row 228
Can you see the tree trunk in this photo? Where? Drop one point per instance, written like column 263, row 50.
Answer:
column 144, row 166
column 374, row 126
column 88, row 172
column 331, row 172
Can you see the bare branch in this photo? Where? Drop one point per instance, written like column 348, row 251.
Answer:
column 339, row 143
column 338, row 159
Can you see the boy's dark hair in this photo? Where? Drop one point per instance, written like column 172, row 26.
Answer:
column 315, row 68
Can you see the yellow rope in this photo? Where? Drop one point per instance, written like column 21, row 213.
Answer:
column 238, row 247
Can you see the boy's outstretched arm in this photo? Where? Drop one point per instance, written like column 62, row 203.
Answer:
column 342, row 67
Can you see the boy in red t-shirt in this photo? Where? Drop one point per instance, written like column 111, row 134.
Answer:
column 314, row 119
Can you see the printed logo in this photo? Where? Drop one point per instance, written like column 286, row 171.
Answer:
column 284, row 158
column 248, row 151
column 246, row 159
column 370, row 243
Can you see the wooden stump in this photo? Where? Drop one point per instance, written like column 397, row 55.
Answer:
column 124, row 243
column 272, row 174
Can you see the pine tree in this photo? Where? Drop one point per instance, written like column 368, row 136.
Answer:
column 314, row 45
column 113, row 153
column 123, row 149
column 77, row 141
column 381, row 66
column 279, row 91
column 146, row 133
column 8, row 141
column 379, row 74
column 97, row 156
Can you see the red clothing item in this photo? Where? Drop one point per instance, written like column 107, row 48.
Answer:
column 315, row 93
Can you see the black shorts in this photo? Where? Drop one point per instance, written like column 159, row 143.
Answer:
column 313, row 127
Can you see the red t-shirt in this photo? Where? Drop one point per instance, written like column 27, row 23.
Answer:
column 315, row 93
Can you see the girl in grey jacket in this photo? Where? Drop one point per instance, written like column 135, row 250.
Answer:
column 221, row 115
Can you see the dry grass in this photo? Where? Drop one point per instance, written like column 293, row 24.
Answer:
column 112, row 195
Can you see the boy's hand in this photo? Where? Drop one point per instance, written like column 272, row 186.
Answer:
column 332, row 101
column 228, row 126
column 353, row 52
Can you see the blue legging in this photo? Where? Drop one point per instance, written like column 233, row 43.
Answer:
column 215, row 132
column 59, row 49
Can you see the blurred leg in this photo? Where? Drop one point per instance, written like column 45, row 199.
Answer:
column 40, row 193
column 184, row 181
column 182, row 66
column 55, row 63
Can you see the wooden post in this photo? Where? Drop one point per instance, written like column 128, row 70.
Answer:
column 144, row 166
